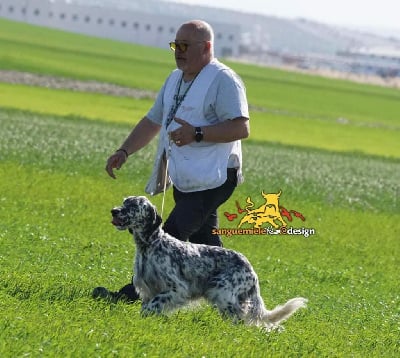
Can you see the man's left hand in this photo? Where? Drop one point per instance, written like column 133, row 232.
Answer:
column 182, row 135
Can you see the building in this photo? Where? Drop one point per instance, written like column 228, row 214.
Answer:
column 128, row 25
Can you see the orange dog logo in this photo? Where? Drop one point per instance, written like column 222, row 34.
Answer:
column 267, row 213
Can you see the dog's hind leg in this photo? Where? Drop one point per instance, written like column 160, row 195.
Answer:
column 225, row 296
column 227, row 304
column 231, row 291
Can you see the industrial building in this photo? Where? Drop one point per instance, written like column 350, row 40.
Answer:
column 128, row 25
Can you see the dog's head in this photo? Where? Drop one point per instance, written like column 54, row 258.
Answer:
column 138, row 215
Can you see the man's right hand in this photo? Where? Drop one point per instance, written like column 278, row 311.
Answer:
column 115, row 161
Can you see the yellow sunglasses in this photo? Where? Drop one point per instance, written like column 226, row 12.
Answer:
column 182, row 46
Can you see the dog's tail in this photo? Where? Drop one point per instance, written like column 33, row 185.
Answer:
column 260, row 316
column 283, row 312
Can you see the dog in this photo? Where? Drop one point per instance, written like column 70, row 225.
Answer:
column 169, row 273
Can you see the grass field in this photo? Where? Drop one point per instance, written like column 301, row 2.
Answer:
column 56, row 241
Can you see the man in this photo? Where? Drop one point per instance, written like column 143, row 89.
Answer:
column 202, row 114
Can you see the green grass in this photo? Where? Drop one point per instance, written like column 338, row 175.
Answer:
column 56, row 241
column 287, row 108
column 326, row 133
column 39, row 50
column 285, row 128
column 313, row 96
column 55, row 230
column 68, row 103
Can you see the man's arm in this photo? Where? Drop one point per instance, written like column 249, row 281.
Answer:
column 140, row 136
column 227, row 131
column 223, row 132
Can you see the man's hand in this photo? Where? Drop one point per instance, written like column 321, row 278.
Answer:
column 115, row 161
column 223, row 132
column 182, row 135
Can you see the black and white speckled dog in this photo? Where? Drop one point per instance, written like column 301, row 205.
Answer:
column 170, row 273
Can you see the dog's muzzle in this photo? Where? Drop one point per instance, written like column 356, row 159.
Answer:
column 117, row 220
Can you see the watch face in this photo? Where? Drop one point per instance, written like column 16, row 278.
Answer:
column 199, row 134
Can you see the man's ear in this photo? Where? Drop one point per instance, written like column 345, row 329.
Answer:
column 208, row 46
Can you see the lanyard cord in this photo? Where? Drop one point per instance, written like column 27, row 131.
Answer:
column 174, row 108
column 178, row 100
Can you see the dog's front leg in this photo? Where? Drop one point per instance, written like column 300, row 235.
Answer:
column 161, row 303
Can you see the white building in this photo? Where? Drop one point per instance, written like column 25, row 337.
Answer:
column 126, row 25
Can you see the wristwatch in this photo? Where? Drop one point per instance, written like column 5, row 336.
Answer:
column 198, row 134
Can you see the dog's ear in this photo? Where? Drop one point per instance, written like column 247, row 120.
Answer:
column 157, row 220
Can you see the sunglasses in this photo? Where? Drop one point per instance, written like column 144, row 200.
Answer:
column 181, row 46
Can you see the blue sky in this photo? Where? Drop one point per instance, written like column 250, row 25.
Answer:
column 373, row 14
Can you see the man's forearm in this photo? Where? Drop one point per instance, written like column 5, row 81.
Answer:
column 140, row 136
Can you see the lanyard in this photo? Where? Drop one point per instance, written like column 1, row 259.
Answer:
column 178, row 99
column 171, row 115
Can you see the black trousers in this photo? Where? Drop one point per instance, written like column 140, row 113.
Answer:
column 195, row 214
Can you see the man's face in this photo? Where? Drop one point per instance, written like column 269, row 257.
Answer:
column 190, row 51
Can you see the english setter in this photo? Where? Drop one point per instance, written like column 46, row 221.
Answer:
column 170, row 273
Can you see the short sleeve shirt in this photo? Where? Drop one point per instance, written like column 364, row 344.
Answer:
column 225, row 100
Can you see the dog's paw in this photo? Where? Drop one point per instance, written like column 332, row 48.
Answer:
column 100, row 293
column 151, row 308
column 146, row 312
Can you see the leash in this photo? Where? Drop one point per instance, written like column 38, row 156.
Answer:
column 165, row 177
